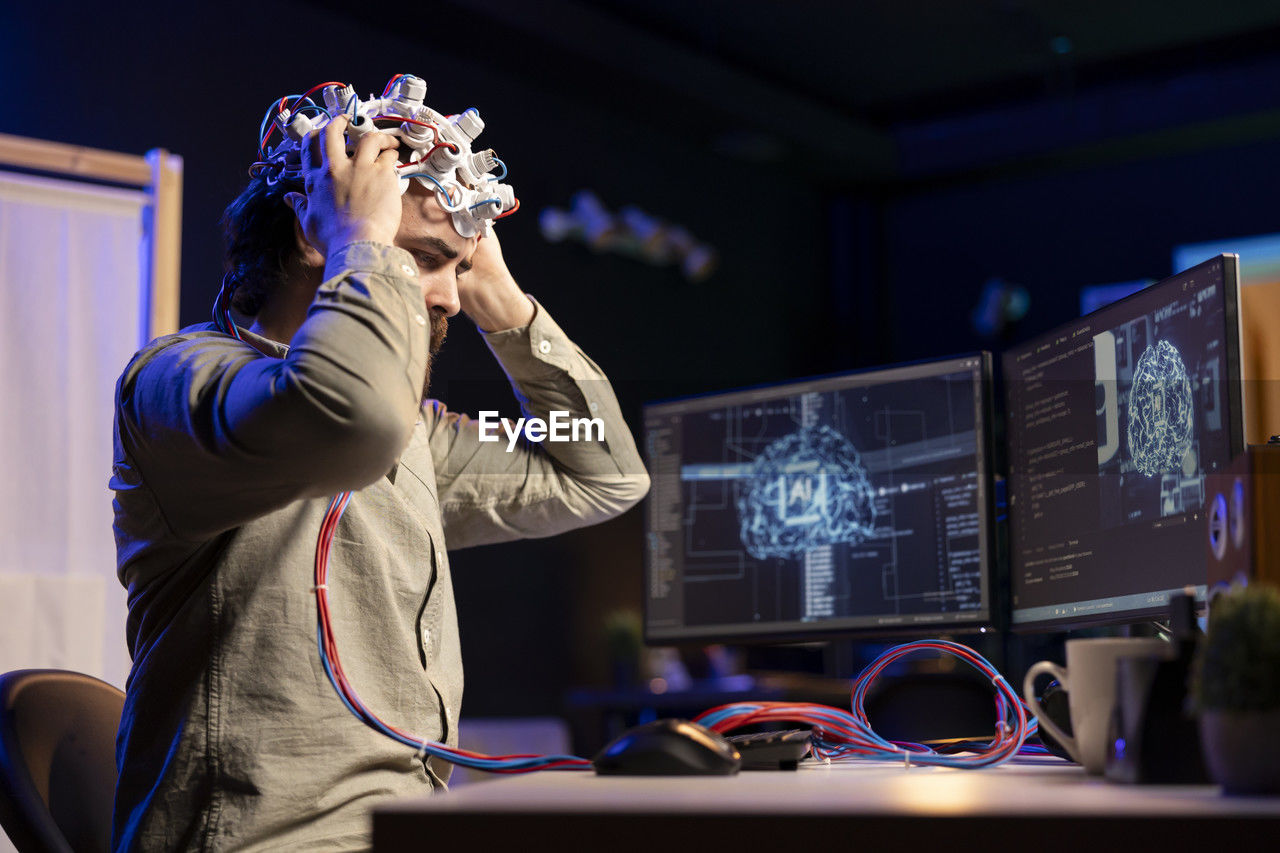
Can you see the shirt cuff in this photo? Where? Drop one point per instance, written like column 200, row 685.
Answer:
column 535, row 350
column 364, row 256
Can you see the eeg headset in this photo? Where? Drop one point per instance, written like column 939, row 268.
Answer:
column 435, row 149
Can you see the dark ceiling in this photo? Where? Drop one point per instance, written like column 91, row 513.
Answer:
column 882, row 61
column 851, row 87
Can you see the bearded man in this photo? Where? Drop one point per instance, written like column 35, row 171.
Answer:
column 231, row 443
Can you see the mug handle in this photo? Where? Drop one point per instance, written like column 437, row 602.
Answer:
column 1029, row 693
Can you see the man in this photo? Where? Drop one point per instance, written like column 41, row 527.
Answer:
column 227, row 454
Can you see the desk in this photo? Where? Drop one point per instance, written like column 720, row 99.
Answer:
column 1042, row 807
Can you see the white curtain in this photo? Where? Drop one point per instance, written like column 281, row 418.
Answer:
column 71, row 307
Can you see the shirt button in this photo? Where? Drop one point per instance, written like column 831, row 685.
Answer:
column 593, row 405
column 419, row 319
column 439, row 556
column 408, row 270
column 544, row 347
column 426, row 637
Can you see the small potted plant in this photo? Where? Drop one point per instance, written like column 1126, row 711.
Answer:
column 624, row 641
column 1237, row 690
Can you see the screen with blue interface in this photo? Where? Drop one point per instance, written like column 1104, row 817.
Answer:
column 855, row 503
column 1114, row 420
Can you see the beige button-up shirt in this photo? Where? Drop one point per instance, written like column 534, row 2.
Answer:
column 225, row 460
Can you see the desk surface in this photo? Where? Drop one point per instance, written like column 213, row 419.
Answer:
column 1010, row 803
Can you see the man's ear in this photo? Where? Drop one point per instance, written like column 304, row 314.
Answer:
column 308, row 254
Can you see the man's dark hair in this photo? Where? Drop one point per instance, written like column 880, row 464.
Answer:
column 260, row 242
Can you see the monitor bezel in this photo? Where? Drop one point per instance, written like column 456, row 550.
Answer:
column 1236, row 441
column 996, row 609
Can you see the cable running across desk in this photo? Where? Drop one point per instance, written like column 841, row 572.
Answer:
column 840, row 735
column 837, row 734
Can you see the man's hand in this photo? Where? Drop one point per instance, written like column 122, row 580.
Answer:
column 489, row 294
column 347, row 198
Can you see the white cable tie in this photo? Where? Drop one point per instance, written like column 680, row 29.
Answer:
column 323, row 586
column 421, row 754
column 906, row 755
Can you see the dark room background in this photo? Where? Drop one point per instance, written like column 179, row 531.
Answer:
column 862, row 170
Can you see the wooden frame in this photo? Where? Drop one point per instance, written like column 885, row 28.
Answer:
column 159, row 173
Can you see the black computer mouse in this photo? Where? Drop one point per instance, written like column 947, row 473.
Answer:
column 668, row 748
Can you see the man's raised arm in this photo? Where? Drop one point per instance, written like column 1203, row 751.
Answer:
column 569, row 462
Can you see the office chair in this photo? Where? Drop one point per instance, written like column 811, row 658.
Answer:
column 57, row 760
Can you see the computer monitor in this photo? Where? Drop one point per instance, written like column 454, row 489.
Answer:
column 1113, row 421
column 857, row 504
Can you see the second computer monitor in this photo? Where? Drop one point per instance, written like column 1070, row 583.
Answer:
column 1114, row 421
column 852, row 504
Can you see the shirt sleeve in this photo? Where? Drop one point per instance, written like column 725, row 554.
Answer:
column 493, row 490
column 222, row 433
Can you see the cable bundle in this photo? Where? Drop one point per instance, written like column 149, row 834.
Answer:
column 844, row 735
column 424, row 747
column 838, row 735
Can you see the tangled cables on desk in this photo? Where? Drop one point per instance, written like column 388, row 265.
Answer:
column 837, row 734
column 847, row 735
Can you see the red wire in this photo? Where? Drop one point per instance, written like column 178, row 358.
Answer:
column 388, row 117
column 1005, row 743
column 279, row 106
column 327, row 530
column 513, row 209
column 390, row 83
column 315, row 88
column 271, row 125
column 435, row 131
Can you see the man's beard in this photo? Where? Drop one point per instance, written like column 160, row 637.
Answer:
column 439, row 329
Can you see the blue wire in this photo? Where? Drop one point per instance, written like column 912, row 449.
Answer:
column 262, row 128
column 428, row 747
column 266, row 119
column 876, row 747
column 439, row 186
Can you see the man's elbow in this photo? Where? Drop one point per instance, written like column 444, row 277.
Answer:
column 364, row 449
column 633, row 488
column 382, row 445
column 612, row 496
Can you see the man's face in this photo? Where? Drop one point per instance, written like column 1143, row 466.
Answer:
column 427, row 233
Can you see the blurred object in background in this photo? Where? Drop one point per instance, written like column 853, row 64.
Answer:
column 623, row 643
column 665, row 670
column 631, row 233
column 1000, row 308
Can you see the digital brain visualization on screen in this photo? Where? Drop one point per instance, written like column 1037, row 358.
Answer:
column 852, row 503
column 1114, row 421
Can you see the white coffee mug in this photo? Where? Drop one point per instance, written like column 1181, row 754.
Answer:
column 1090, row 682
